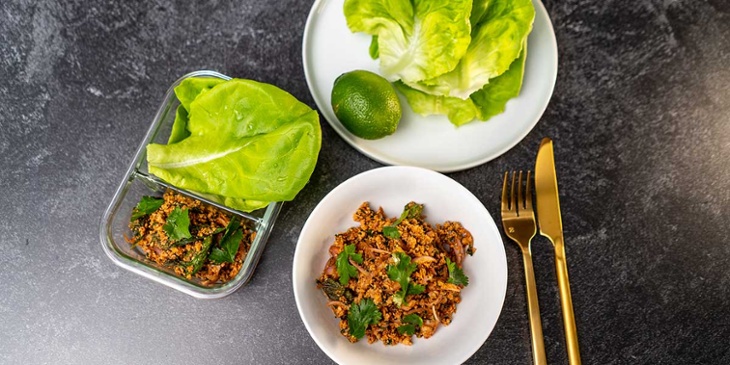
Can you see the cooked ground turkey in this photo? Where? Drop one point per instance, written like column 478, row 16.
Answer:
column 427, row 246
column 149, row 236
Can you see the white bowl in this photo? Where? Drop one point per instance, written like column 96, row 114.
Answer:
column 444, row 199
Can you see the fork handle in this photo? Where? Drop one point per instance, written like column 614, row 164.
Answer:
column 566, row 302
column 533, row 309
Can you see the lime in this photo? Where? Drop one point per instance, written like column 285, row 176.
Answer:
column 366, row 104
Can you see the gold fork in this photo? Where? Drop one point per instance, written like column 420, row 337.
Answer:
column 518, row 220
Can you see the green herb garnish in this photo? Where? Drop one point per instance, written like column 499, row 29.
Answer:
column 401, row 273
column 391, row 231
column 361, row 315
column 177, row 225
column 456, row 275
column 145, row 207
column 344, row 268
column 200, row 257
column 412, row 321
column 229, row 243
column 332, row 289
column 186, row 241
column 410, row 211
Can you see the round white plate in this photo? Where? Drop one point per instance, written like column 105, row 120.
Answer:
column 330, row 49
column 444, row 199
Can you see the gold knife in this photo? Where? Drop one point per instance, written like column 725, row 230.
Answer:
column 551, row 226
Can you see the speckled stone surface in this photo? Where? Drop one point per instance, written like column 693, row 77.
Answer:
column 640, row 117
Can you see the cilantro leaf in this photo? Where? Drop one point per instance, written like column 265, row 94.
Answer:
column 399, row 297
column 407, row 329
column 344, row 268
column 229, row 248
column 414, row 289
column 229, row 243
column 402, row 269
column 410, row 211
column 413, row 319
column 456, row 275
column 146, row 206
column 217, row 256
column 411, row 322
column 361, row 315
column 177, row 225
column 391, row 232
column 401, row 273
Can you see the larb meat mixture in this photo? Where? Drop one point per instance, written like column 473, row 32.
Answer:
column 194, row 240
column 389, row 279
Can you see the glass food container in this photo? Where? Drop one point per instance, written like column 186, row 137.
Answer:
column 139, row 182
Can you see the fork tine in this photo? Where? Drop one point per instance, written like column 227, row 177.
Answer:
column 528, row 193
column 513, row 196
column 505, row 202
column 520, row 197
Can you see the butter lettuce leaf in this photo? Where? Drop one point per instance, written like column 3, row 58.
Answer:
column 250, row 143
column 493, row 97
column 179, row 126
column 483, row 104
column 186, row 92
column 416, row 40
column 190, row 88
column 478, row 10
column 497, row 36
column 458, row 111
column 373, row 50
column 246, row 205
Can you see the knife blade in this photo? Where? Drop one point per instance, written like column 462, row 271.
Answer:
column 546, row 187
column 551, row 226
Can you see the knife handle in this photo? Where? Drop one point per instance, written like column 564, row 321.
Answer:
column 533, row 309
column 566, row 302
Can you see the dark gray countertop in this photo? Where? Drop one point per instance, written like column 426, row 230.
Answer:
column 640, row 117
